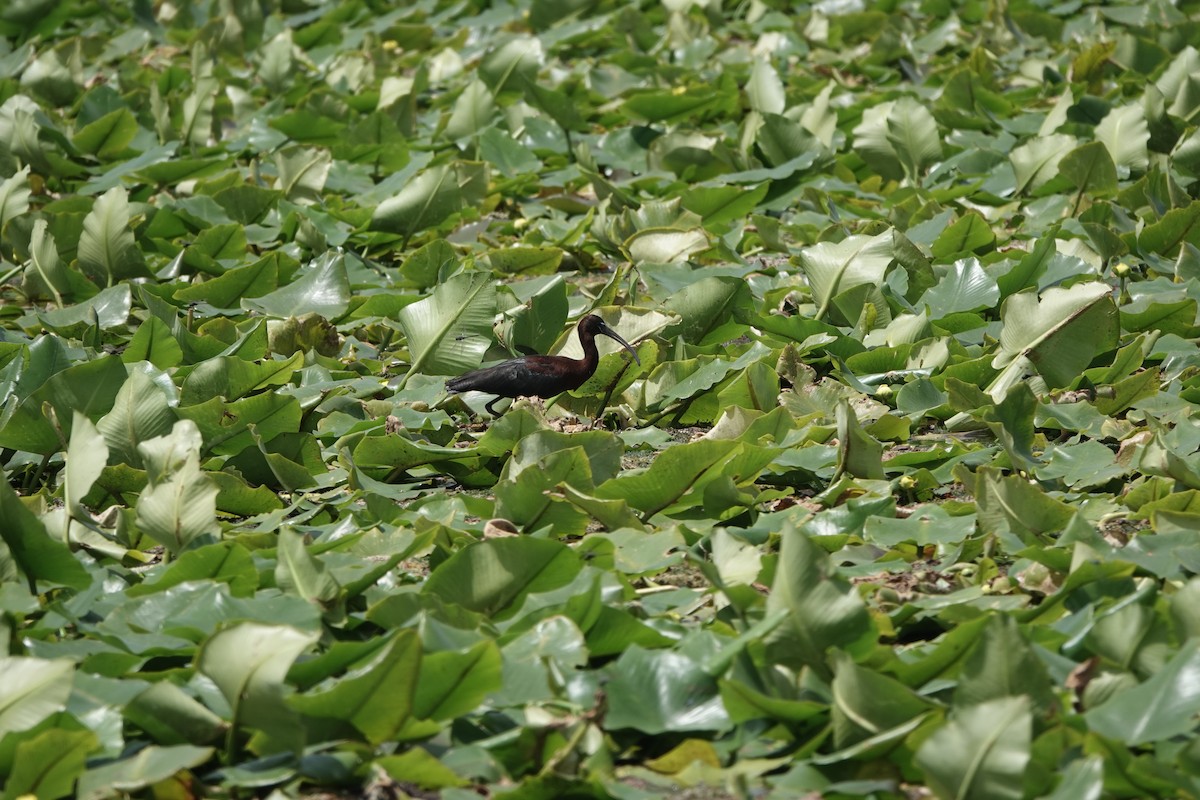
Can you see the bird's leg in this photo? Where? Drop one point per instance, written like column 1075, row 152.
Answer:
column 491, row 403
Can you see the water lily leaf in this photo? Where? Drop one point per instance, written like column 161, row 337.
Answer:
column 1002, row 664
column 107, row 309
column 493, row 577
column 377, row 697
column 1057, row 334
column 33, row 689
column 532, row 660
column 969, row 234
column 786, row 145
column 1177, row 317
column 322, row 287
column 765, row 89
column 823, row 609
column 1125, row 134
column 449, row 331
column 871, row 141
column 679, row 476
column 526, row 260
column 234, row 378
column 87, row 453
column 1091, row 169
column 704, row 306
column 46, row 275
column 913, row 135
column 424, row 202
column 299, row 571
column 609, row 514
column 172, row 716
column 452, row 684
column 472, row 111
column 1177, row 227
column 676, row 106
column 1009, row 503
column 383, row 455
column 527, row 500
column 1081, row 780
column 1160, row 708
column 420, row 767
column 247, row 204
column 661, row 246
column 179, row 506
column 302, row 173
column 38, row 556
column 656, row 691
column 743, row 703
column 509, row 157
column 1081, row 465
column 966, row 287
column 602, row 450
column 148, row 767
column 223, row 562
column 859, row 453
column 290, row 461
column 1036, row 162
column 154, row 342
column 1012, row 421
column 867, row 704
column 248, row 663
column 720, row 205
column 47, row 765
column 504, row 67
column 835, row 269
column 107, row 250
column 14, row 196
column 428, row 262
column 225, row 427
column 928, row 527
column 536, row 324
column 1027, row 272
column 141, row 411
column 980, row 751
column 214, row 246
column 109, row 136
column 89, row 386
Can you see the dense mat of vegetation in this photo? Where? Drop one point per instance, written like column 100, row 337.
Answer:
column 902, row 501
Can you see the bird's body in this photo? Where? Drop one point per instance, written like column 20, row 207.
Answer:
column 540, row 376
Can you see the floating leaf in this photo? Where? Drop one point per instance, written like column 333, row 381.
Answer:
column 248, row 663
column 33, row 689
column 980, row 751
column 1090, row 167
column 1125, row 135
column 1057, row 334
column 1160, row 708
column 14, row 196
column 107, row 251
column 376, row 698
column 823, row 610
column 179, row 506
column 108, row 136
column 660, row 691
column 449, row 331
column 490, row 577
column 38, row 556
column 47, row 765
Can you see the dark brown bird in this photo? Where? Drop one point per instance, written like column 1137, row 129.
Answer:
column 540, row 376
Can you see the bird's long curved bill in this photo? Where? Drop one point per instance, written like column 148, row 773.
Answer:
column 610, row 333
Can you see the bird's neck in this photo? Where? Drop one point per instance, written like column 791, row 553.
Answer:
column 591, row 355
